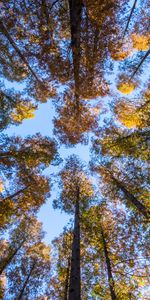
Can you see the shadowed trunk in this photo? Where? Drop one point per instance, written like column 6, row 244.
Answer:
column 15, row 194
column 4, row 30
column 75, row 9
column 129, row 19
column 75, row 284
column 9, row 259
column 26, row 282
column 109, row 269
column 67, row 279
column 141, row 62
column 131, row 198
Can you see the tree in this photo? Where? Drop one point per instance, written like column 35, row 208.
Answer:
column 76, row 192
column 111, row 257
column 116, row 180
column 32, row 151
column 28, row 231
column 61, row 250
column 117, row 142
column 31, row 266
column 14, row 109
column 130, row 16
column 22, row 162
column 133, row 115
column 81, row 120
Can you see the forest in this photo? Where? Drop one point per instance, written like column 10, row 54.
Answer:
column 84, row 67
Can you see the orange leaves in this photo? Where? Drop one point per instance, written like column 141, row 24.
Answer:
column 98, row 87
column 74, row 121
column 128, row 115
column 141, row 42
column 126, row 87
column 120, row 51
column 1, row 186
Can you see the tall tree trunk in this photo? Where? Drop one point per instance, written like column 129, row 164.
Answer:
column 129, row 19
column 141, row 62
column 133, row 200
column 26, row 282
column 10, row 257
column 109, row 269
column 75, row 9
column 75, row 282
column 67, row 279
column 15, row 194
column 4, row 30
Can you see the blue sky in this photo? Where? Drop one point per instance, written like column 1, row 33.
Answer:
column 53, row 220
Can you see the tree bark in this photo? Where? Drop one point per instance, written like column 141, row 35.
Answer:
column 141, row 62
column 109, row 269
column 75, row 282
column 75, row 9
column 129, row 19
column 67, row 280
column 9, row 259
column 131, row 198
column 4, row 30
column 26, row 282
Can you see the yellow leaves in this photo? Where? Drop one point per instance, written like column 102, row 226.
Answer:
column 1, row 186
column 39, row 250
column 128, row 115
column 121, row 50
column 126, row 87
column 96, row 111
column 141, row 42
column 34, row 39
column 120, row 55
column 23, row 111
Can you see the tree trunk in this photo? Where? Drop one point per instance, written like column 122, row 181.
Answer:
column 15, row 194
column 133, row 200
column 75, row 283
column 109, row 269
column 4, row 30
column 139, row 65
column 26, row 282
column 129, row 19
column 9, row 259
column 67, row 280
column 75, row 8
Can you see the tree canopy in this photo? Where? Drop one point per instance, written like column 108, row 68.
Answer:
column 88, row 61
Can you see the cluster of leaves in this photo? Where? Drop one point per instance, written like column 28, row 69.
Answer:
column 72, row 46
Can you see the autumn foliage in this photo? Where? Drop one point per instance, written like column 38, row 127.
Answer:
column 83, row 65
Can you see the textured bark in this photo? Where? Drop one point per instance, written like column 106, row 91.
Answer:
column 9, row 259
column 75, row 282
column 4, row 30
column 75, row 9
column 109, row 269
column 67, row 280
column 26, row 282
